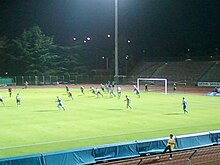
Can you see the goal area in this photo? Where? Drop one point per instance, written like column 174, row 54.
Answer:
column 152, row 84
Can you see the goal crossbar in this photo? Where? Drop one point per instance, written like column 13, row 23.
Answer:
column 153, row 79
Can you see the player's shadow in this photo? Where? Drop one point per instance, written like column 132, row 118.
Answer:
column 5, row 106
column 92, row 96
column 114, row 109
column 68, row 100
column 46, row 110
column 81, row 95
column 170, row 114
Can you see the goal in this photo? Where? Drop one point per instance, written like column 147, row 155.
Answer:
column 155, row 83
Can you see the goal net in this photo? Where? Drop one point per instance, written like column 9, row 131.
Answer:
column 152, row 84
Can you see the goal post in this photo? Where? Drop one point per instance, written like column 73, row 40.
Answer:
column 153, row 79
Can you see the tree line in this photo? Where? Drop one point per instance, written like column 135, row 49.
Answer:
column 34, row 53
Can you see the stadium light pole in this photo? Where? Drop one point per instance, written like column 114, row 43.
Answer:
column 126, row 65
column 103, row 57
column 116, row 39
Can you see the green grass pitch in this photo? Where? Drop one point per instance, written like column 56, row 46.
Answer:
column 38, row 126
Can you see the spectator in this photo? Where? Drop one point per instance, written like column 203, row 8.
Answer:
column 170, row 145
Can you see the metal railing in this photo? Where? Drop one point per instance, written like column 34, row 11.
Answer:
column 206, row 156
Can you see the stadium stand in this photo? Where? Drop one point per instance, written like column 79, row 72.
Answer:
column 177, row 71
column 145, row 69
column 180, row 72
column 213, row 74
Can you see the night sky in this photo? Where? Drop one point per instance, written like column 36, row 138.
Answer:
column 165, row 26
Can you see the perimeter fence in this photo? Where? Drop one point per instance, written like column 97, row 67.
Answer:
column 66, row 79
column 189, row 149
column 200, row 156
column 73, row 79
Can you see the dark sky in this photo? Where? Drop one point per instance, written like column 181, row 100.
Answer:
column 168, row 26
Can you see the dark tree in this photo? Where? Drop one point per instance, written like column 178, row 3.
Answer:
column 35, row 53
column 71, row 60
column 5, row 57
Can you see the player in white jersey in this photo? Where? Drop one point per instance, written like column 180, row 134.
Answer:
column 98, row 92
column 1, row 100
column 136, row 91
column 60, row 103
column 82, row 90
column 111, row 91
column 184, row 103
column 119, row 92
column 93, row 90
column 18, row 99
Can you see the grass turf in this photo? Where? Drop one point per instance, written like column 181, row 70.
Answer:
column 38, row 126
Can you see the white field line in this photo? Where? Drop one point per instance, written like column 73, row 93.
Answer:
column 70, row 140
column 77, row 139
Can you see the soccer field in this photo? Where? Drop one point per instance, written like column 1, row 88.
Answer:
column 38, row 126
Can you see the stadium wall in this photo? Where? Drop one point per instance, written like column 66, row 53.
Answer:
column 96, row 154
